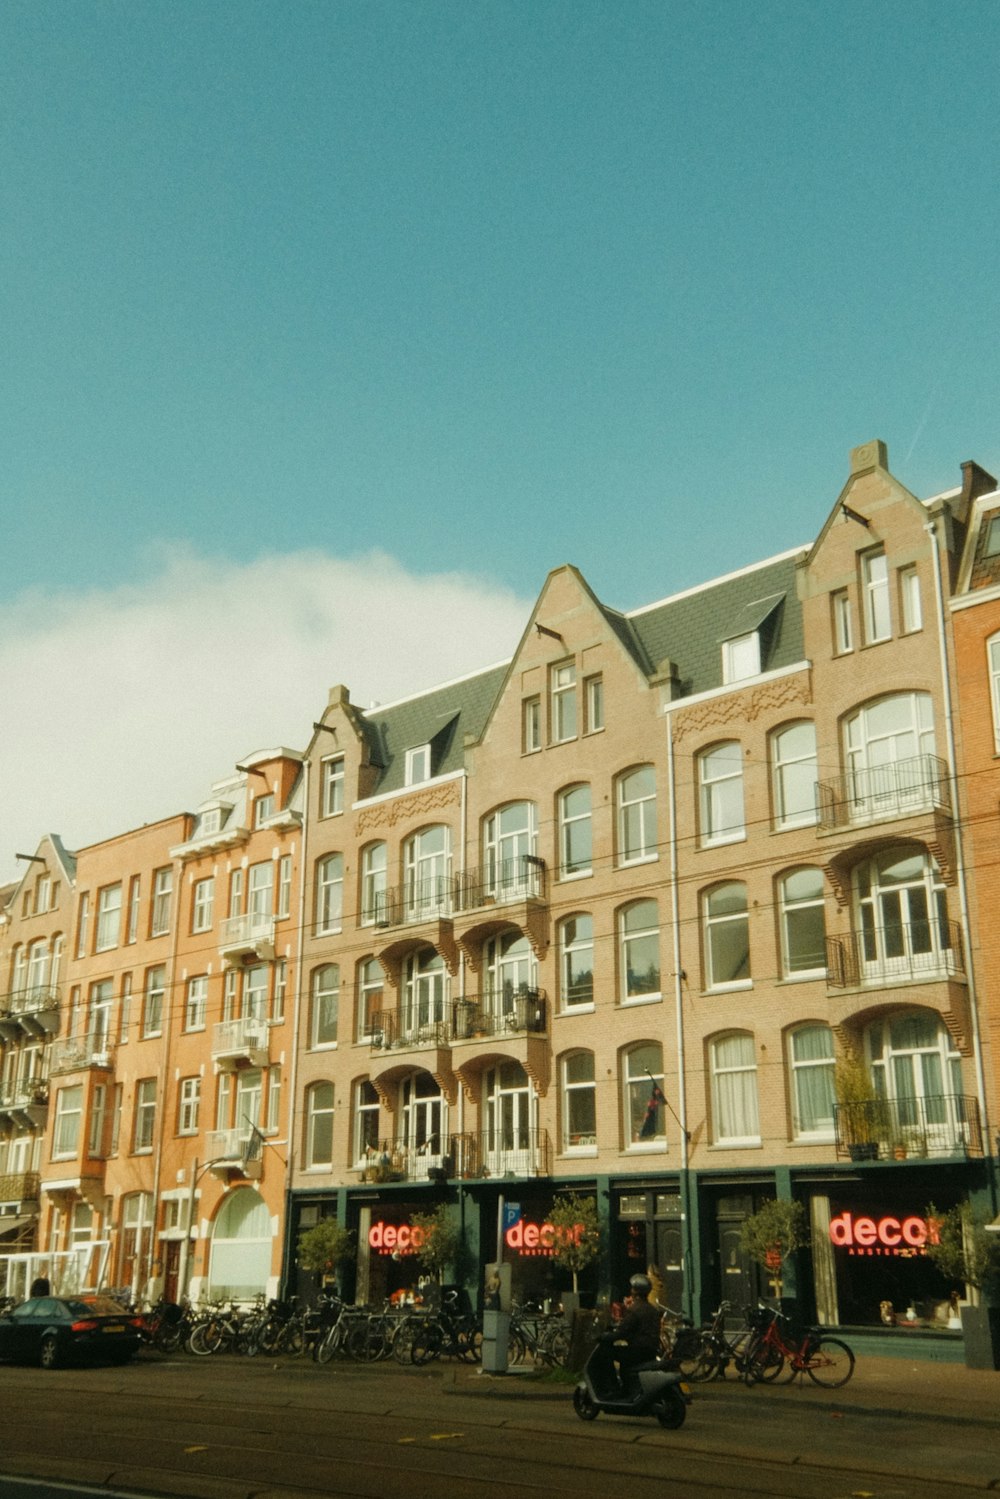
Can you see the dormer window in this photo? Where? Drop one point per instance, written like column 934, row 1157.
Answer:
column 741, row 657
column 418, row 764
column 263, row 808
column 992, row 545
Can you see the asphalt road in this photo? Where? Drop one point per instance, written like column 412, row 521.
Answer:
column 250, row 1429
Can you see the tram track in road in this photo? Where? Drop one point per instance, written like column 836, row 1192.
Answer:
column 306, row 1434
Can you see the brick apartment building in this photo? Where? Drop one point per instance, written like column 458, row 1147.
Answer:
column 602, row 917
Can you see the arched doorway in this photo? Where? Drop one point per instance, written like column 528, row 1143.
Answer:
column 240, row 1263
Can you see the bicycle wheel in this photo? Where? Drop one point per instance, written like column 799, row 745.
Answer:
column 402, row 1340
column 469, row 1342
column 293, row 1341
column 207, row 1337
column 830, row 1363
column 554, row 1348
column 427, row 1343
column 517, row 1349
column 327, row 1345
column 762, row 1363
column 704, row 1364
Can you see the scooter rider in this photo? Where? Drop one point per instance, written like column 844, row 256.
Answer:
column 639, row 1329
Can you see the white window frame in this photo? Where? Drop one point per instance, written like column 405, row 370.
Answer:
column 366, row 1108
column 531, row 725
column 802, row 1072
column 593, row 703
column 329, row 893
column 794, row 907
column 68, row 1121
column 324, row 1007
column 163, row 889
column 144, row 1118
column 636, row 808
column 993, row 671
column 573, row 946
column 418, row 764
column 741, row 657
column 585, row 1141
column 575, row 822
column 875, row 594
column 642, row 1069
column 720, row 787
column 196, row 1003
column 911, row 611
column 562, row 702
column 718, row 921
column 188, row 1105
column 374, row 884
column 153, row 998
column 791, row 808
column 735, row 1118
column 843, row 622
column 332, row 786
column 284, row 908
column 109, row 917
column 203, row 904
column 629, row 934
column 371, row 980
column 320, row 1101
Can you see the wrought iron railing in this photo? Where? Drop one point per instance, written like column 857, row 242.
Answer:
column 499, row 1014
column 19, row 1187
column 908, row 950
column 918, row 784
column 503, row 880
column 501, row 1152
column 24, row 1095
column 902, row 1128
column 390, row 1029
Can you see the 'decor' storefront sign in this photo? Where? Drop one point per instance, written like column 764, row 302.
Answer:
column 860, row 1234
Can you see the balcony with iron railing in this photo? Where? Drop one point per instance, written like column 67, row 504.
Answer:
column 26, row 1101
column 247, row 936
column 880, row 793
column 503, row 1013
column 392, row 1030
column 906, row 952
column 442, row 896
column 236, row 1041
column 885, row 1129
column 20, row 1188
column 471, row 1155
column 79, row 1053
column 33, row 1011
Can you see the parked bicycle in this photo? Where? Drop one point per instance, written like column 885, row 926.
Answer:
column 777, row 1344
column 542, row 1336
column 450, row 1332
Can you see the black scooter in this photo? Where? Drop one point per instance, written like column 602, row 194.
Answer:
column 655, row 1389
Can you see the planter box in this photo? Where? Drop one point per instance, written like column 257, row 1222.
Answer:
column 981, row 1331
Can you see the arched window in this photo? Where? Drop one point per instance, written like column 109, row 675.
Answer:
column 510, row 846
column 427, row 867
column 576, row 961
column 916, row 1066
column 803, row 932
column 720, row 794
column 423, row 1120
column 325, row 1005
column 733, row 1068
column 511, row 1126
column 319, row 1127
column 642, row 1095
column 639, row 950
column 425, row 992
column 636, row 802
column 329, row 893
column 575, row 831
column 374, row 876
column 890, row 758
column 902, row 918
column 240, row 1263
column 810, row 1057
column 509, row 974
column 579, row 1102
column 727, row 936
column 793, row 768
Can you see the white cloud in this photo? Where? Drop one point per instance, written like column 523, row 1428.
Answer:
column 122, row 706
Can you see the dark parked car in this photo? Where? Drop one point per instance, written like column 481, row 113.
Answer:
column 52, row 1330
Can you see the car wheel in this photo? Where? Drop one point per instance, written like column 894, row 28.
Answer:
column 48, row 1353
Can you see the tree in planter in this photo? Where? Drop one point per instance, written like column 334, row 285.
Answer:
column 441, row 1243
column 773, row 1234
column 577, row 1234
column 863, row 1117
column 960, row 1247
column 325, row 1246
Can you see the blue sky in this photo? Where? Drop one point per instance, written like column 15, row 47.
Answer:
column 482, row 287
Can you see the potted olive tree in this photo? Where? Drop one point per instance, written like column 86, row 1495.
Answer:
column 965, row 1250
column 441, row 1240
column 325, row 1247
column 576, row 1235
column 773, row 1234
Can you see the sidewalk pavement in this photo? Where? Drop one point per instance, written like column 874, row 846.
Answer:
column 893, row 1387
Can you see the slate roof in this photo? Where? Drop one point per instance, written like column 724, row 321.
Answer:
column 688, row 629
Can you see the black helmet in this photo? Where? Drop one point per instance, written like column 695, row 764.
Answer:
column 640, row 1285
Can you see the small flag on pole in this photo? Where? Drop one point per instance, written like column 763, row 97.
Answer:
column 253, row 1146
column 656, row 1098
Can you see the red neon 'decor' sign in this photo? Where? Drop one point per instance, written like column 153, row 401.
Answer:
column 541, row 1237
column 848, row 1231
column 395, row 1238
